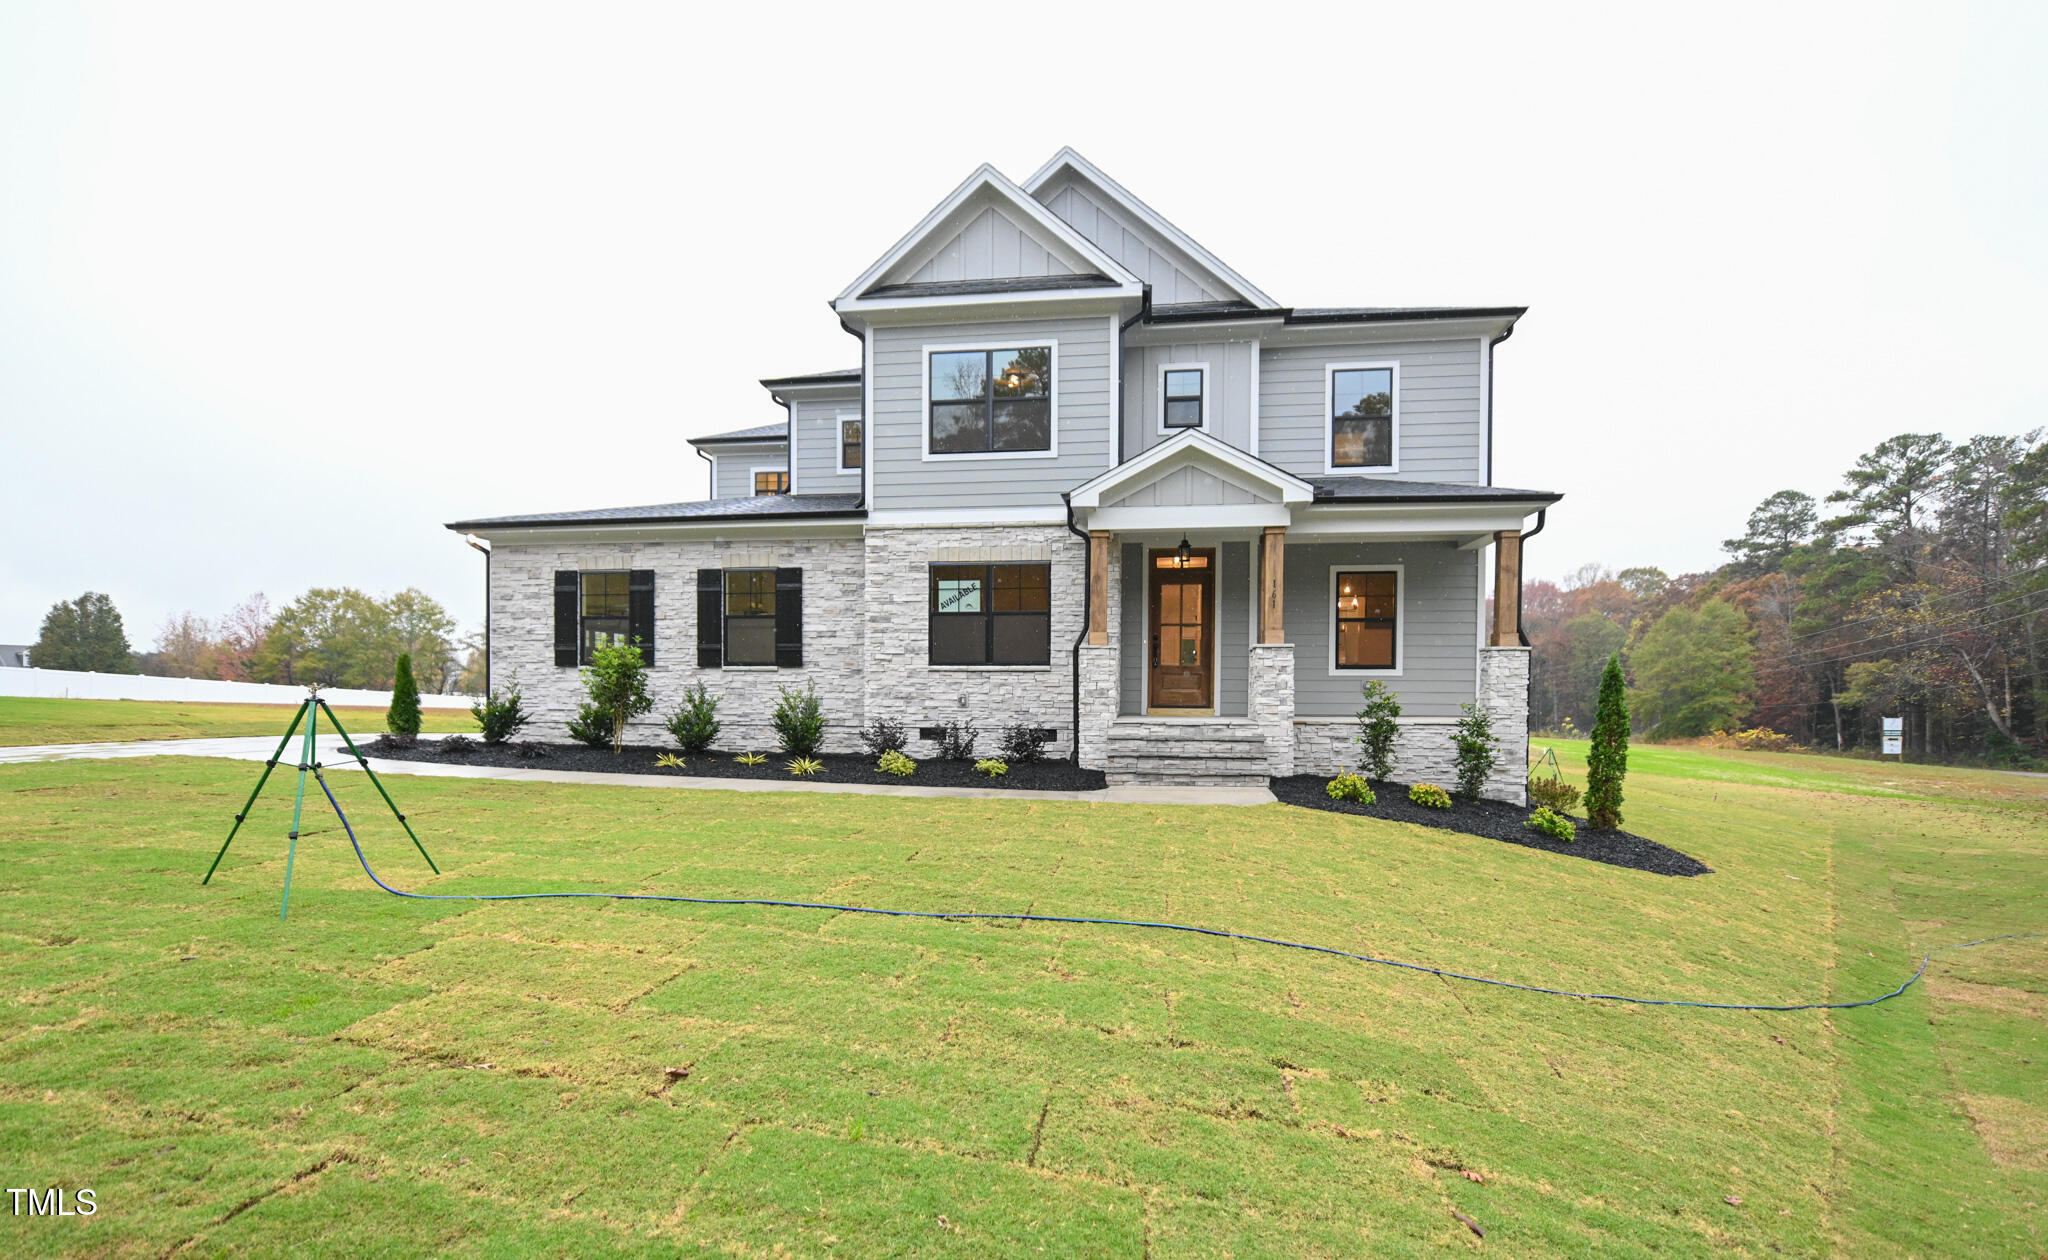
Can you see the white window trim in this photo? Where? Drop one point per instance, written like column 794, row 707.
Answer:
column 1400, row 620
column 839, row 433
column 1330, row 371
column 924, row 393
column 1159, row 390
column 756, row 471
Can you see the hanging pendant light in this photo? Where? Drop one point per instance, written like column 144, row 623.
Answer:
column 1185, row 551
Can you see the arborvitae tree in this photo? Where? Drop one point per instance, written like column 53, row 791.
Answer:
column 404, row 718
column 1607, row 759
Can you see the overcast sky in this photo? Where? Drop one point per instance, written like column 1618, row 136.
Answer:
column 281, row 292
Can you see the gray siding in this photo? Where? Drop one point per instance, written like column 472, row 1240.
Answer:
column 1131, row 648
column 814, row 427
column 904, row 480
column 992, row 246
column 1148, row 255
column 1233, row 624
column 736, row 466
column 1440, row 615
column 1187, row 487
column 1231, row 375
column 1441, row 436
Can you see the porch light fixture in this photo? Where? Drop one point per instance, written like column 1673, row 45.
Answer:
column 1184, row 551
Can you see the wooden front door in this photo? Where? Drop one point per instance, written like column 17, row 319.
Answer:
column 1181, row 670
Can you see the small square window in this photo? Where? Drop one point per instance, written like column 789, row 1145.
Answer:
column 768, row 482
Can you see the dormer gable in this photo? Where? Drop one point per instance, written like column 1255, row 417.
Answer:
column 1178, row 268
column 986, row 237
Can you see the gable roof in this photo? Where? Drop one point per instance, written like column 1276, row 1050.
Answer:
column 985, row 190
column 1193, row 447
column 1069, row 167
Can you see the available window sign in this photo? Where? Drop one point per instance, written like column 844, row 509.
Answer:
column 961, row 595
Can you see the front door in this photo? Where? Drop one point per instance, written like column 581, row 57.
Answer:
column 1182, row 668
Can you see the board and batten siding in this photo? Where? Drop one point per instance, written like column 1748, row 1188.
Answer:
column 1439, row 615
column 814, row 427
column 1441, row 431
column 904, row 480
column 1227, row 384
column 736, row 465
column 1142, row 251
column 991, row 246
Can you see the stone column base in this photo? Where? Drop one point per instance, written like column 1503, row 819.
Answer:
column 1269, row 694
column 1098, row 703
column 1504, row 694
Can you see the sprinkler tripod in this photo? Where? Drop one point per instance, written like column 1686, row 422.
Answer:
column 309, row 712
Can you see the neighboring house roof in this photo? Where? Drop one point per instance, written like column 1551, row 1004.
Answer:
column 1391, row 490
column 15, row 654
column 1008, row 284
column 757, row 507
column 777, row 432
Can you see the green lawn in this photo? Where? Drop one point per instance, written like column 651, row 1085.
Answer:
column 379, row 1076
column 30, row 721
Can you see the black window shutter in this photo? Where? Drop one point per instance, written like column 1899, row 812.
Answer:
column 640, row 611
column 565, row 617
column 789, row 617
column 710, row 618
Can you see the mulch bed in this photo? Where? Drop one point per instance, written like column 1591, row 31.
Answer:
column 1044, row 776
column 1495, row 820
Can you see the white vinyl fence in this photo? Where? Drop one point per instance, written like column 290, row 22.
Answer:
column 66, row 684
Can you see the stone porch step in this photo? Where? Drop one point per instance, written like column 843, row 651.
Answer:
column 1219, row 752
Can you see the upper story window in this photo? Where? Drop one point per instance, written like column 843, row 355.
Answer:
column 1364, row 416
column 1181, row 392
column 990, row 401
column 851, row 447
column 771, row 481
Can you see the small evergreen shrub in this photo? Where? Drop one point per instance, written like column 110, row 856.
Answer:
column 616, row 681
column 1024, row 745
column 1554, row 793
column 1607, row 759
column 991, row 767
column 1477, row 752
column 458, row 745
column 591, row 725
column 751, row 758
column 799, row 720
column 1553, row 824
column 694, row 723
column 403, row 717
column 1429, row 796
column 802, row 766
column 530, row 750
column 882, row 736
column 1378, row 726
column 1351, row 787
column 500, row 715
column 895, row 761
column 956, row 740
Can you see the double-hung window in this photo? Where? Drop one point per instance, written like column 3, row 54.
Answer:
column 1181, row 398
column 991, row 614
column 606, row 611
column 850, row 446
column 1367, row 633
column 1362, row 416
column 990, row 401
column 602, row 607
column 749, row 616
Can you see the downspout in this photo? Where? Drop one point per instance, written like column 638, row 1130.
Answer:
column 1144, row 312
column 471, row 540
column 1521, row 631
column 1507, row 333
column 867, row 422
column 710, row 491
column 1087, row 591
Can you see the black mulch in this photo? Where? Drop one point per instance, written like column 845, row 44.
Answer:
column 1495, row 820
column 1043, row 776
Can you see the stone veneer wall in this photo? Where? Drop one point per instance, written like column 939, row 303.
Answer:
column 1269, row 696
column 901, row 684
column 1423, row 752
column 523, row 633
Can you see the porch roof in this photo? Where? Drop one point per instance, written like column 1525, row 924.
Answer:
column 1393, row 490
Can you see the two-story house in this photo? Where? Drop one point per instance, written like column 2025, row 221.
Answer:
column 1087, row 478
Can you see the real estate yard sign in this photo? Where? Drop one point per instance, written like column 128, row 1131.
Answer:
column 1895, row 737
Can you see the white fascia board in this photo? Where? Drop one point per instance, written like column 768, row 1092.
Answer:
column 821, row 390
column 1022, row 298
column 1448, row 522
column 1214, row 516
column 1349, row 333
column 1178, row 333
column 988, row 177
column 629, row 531
column 1193, row 444
column 1151, row 218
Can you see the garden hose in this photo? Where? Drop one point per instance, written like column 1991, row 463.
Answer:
column 1907, row 983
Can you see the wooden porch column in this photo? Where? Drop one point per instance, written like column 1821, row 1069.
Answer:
column 1098, row 587
column 1507, row 589
column 1272, row 572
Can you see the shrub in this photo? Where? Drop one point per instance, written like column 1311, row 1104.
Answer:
column 616, row 680
column 1024, row 745
column 801, row 766
column 991, row 767
column 458, row 745
column 1477, row 751
column 1554, row 793
column 592, row 726
column 500, row 715
column 403, row 717
column 1553, row 824
column 1351, row 787
column 528, row 749
column 895, row 761
column 799, row 720
column 883, row 736
column 750, row 759
column 694, row 723
column 669, row 761
column 1378, row 725
column 1429, row 796
column 956, row 740
column 1607, row 759
column 1756, row 739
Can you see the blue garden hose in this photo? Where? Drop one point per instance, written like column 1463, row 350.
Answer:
column 1143, row 923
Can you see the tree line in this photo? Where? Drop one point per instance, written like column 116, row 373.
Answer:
column 1917, row 588
column 334, row 636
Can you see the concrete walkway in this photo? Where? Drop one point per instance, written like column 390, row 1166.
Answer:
column 331, row 753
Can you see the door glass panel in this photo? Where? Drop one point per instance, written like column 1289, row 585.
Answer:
column 1169, row 604
column 1190, row 647
column 1191, row 605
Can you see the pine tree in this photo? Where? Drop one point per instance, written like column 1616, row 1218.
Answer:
column 404, row 718
column 1607, row 759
